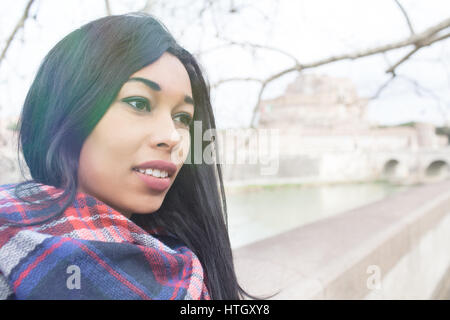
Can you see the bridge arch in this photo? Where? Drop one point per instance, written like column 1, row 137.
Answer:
column 390, row 168
column 437, row 169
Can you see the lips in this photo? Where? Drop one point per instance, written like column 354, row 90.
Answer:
column 169, row 167
column 156, row 184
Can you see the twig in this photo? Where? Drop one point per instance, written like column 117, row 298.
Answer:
column 417, row 47
column 384, row 86
column 248, row 44
column 418, row 88
column 148, row 6
column 406, row 57
column 422, row 39
column 408, row 21
column 108, row 7
column 218, row 83
column 18, row 26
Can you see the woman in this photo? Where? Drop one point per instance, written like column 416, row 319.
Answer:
column 109, row 213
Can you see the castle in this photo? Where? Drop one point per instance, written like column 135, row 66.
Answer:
column 325, row 136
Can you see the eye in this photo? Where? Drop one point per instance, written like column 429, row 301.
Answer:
column 139, row 103
column 184, row 118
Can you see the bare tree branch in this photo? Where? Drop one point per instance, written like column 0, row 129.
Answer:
column 218, row 83
column 148, row 6
column 406, row 57
column 422, row 39
column 18, row 26
column 421, row 90
column 408, row 21
column 416, row 39
column 417, row 48
column 252, row 45
column 383, row 86
column 206, row 5
column 108, row 7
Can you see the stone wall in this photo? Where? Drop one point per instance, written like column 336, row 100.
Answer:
column 396, row 248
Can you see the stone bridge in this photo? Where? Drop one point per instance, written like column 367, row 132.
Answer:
column 403, row 166
column 413, row 166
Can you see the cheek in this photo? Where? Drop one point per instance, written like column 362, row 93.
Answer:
column 90, row 168
column 85, row 167
column 109, row 143
column 103, row 159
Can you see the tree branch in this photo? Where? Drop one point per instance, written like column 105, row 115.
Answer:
column 408, row 21
column 416, row 48
column 148, row 6
column 377, row 94
column 108, row 7
column 18, row 26
column 422, row 39
column 252, row 45
column 418, row 88
column 218, row 83
column 406, row 57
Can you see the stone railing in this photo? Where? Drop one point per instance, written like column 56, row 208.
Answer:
column 397, row 248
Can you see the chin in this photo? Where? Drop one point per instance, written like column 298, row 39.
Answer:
column 146, row 209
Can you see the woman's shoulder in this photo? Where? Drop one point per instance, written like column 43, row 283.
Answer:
column 8, row 192
column 20, row 204
column 19, row 196
column 11, row 200
column 8, row 198
column 6, row 188
column 12, row 212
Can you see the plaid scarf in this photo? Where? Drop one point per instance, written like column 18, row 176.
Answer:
column 91, row 251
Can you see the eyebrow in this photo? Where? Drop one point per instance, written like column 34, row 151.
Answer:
column 154, row 86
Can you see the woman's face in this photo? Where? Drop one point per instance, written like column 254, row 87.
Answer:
column 149, row 120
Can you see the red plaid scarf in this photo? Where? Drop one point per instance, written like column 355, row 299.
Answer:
column 91, row 251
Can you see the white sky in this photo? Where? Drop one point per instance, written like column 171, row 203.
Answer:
column 308, row 29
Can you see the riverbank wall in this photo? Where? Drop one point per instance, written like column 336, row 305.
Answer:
column 396, row 248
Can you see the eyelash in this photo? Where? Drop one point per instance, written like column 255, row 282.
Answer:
column 187, row 119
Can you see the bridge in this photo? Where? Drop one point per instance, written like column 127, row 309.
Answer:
column 402, row 166
column 425, row 165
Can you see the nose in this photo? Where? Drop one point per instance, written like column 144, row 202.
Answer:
column 163, row 133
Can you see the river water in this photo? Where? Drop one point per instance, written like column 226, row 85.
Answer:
column 264, row 212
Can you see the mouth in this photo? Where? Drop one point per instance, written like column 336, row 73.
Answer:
column 157, row 168
column 152, row 182
column 156, row 173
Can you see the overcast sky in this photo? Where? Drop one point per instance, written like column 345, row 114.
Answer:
column 308, row 29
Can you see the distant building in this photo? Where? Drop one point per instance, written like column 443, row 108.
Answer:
column 325, row 136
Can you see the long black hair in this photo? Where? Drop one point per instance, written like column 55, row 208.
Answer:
column 75, row 85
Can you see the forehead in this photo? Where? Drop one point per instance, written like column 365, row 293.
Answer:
column 168, row 72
